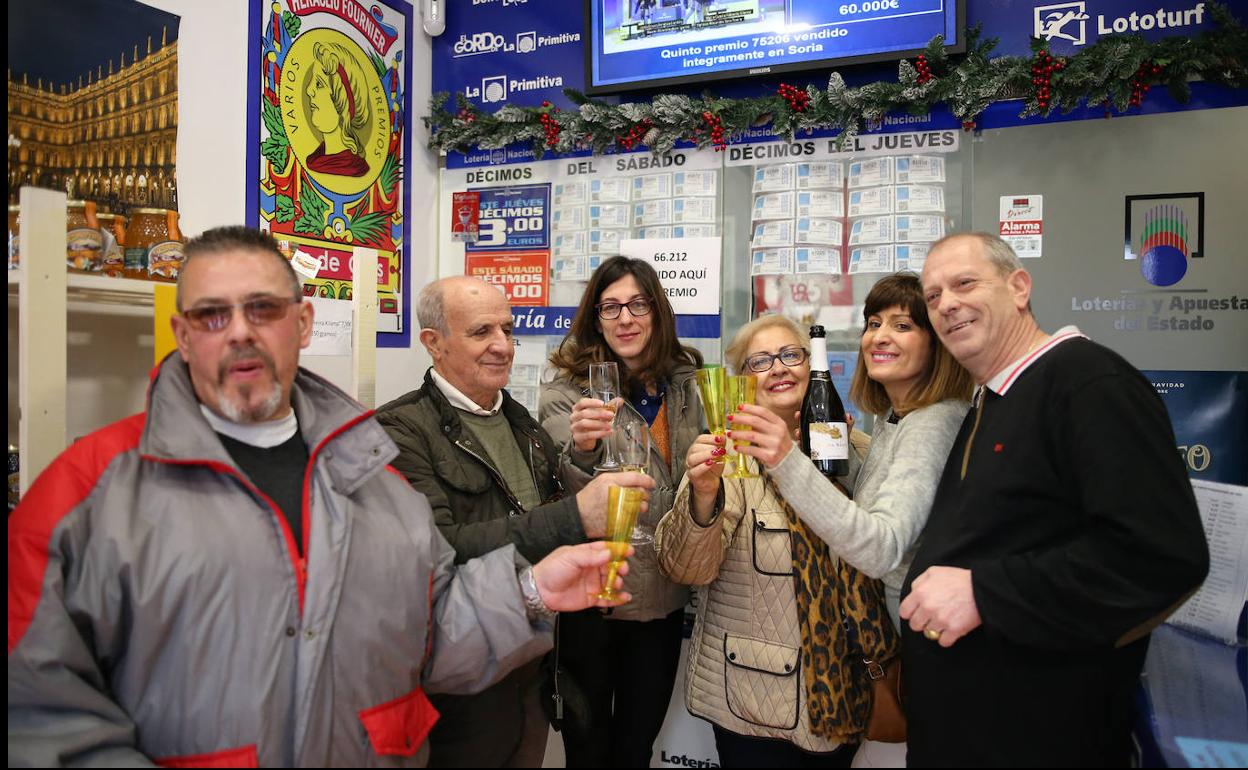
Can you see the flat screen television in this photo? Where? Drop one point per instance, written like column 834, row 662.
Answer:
column 635, row 44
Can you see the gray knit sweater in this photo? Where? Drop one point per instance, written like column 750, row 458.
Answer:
column 878, row 531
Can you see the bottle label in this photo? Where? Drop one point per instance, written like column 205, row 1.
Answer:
column 165, row 259
column 136, row 258
column 83, row 247
column 829, row 441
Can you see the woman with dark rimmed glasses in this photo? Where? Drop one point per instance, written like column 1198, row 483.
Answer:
column 625, row 663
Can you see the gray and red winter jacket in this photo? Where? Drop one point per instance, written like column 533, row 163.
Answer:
column 160, row 609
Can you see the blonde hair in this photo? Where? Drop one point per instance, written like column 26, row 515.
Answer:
column 942, row 378
column 356, row 111
column 737, row 350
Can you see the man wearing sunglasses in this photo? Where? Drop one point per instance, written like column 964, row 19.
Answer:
column 491, row 474
column 234, row 578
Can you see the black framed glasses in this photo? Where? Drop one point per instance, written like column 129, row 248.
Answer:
column 258, row 311
column 761, row 362
column 609, row 311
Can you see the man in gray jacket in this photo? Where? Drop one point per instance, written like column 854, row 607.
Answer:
column 233, row 578
column 491, row 476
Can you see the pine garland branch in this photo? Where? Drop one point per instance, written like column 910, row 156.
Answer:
column 1115, row 72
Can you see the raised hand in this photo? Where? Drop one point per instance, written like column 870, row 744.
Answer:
column 570, row 576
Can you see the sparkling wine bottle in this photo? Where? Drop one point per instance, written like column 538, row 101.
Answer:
column 825, row 436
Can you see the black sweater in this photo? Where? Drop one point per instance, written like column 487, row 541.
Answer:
column 1078, row 523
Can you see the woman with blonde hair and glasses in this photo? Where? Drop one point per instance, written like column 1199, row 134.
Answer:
column 625, row 663
column 754, row 608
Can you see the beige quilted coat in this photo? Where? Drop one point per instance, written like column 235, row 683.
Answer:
column 744, row 670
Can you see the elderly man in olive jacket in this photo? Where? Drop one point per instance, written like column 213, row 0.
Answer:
column 491, row 475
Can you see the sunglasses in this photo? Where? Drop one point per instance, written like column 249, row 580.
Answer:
column 258, row 312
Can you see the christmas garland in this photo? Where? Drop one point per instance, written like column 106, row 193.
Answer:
column 1115, row 72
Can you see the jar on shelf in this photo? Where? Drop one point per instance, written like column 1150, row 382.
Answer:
column 153, row 245
column 15, row 222
column 113, row 231
column 164, row 259
column 84, row 242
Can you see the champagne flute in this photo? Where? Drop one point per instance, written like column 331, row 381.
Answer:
column 711, row 389
column 623, row 506
column 632, row 440
column 739, row 389
column 604, row 385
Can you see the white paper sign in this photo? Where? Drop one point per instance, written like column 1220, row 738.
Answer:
column 1022, row 224
column 773, row 178
column 826, row 175
column 773, row 234
column 695, row 182
column 655, row 231
column 606, row 241
column 689, row 269
column 530, row 359
column 773, row 206
column 771, row 262
column 871, row 230
column 911, row 256
column 568, row 193
column 693, row 210
column 693, row 231
column 305, row 264
column 608, row 215
column 1215, row 608
column 915, row 197
column 610, row 190
column 869, row 173
column 569, row 268
column 568, row 218
column 821, row 203
column 872, row 259
column 652, row 186
column 920, row 228
column 567, row 244
column 870, row 202
column 656, row 212
column 331, row 327
column 818, row 260
column 920, row 168
column 821, row 231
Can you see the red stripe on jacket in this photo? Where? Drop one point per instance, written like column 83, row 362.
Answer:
column 58, row 490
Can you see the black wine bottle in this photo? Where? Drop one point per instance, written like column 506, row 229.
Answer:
column 825, row 436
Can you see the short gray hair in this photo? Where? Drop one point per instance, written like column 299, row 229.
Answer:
column 219, row 240
column 431, row 308
column 996, row 250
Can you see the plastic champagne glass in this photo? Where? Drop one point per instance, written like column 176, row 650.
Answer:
column 623, row 507
column 739, row 389
column 711, row 389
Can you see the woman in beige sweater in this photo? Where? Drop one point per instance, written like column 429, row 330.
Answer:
column 753, row 667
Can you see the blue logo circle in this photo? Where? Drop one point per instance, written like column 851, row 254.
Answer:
column 1163, row 265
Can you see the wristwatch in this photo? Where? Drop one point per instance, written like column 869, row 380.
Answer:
column 533, row 604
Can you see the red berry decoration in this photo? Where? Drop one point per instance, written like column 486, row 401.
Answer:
column 968, row 125
column 1042, row 68
column 551, row 126
column 1140, row 81
column 715, row 126
column 635, row 135
column 797, row 98
column 924, row 69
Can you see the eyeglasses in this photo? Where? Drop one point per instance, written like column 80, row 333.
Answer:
column 763, row 361
column 609, row 311
column 258, row 312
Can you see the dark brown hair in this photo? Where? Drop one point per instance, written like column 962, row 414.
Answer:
column 942, row 378
column 584, row 344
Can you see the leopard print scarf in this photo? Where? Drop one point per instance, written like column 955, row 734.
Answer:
column 833, row 598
